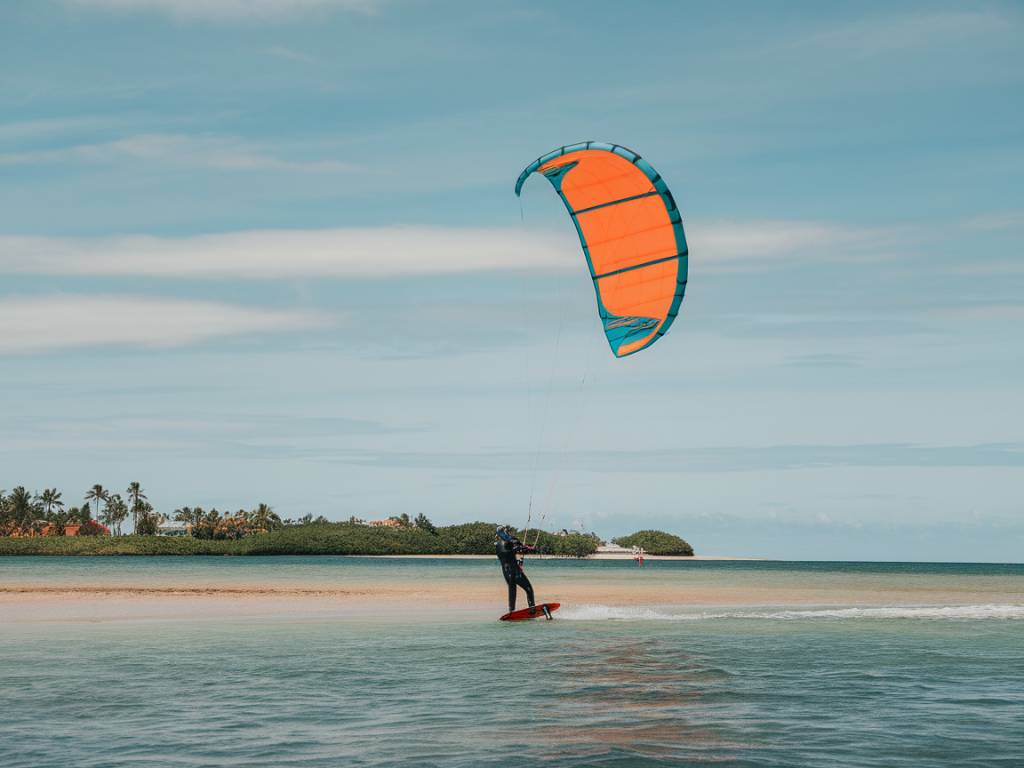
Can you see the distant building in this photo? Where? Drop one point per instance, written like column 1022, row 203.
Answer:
column 389, row 523
column 44, row 528
column 173, row 528
column 40, row 529
column 71, row 529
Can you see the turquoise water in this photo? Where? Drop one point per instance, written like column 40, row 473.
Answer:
column 323, row 571
column 878, row 685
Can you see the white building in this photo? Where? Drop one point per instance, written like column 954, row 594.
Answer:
column 173, row 528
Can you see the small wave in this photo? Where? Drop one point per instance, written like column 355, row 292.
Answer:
column 630, row 613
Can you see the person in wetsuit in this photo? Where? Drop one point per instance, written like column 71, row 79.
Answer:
column 508, row 549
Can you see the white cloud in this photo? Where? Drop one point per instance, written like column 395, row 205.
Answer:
column 396, row 251
column 729, row 241
column 229, row 10
column 271, row 254
column 61, row 322
column 215, row 152
column 1011, row 313
column 54, row 126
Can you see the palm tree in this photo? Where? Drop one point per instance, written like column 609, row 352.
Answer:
column 149, row 519
column 50, row 498
column 78, row 515
column 22, row 507
column 8, row 523
column 115, row 512
column 58, row 521
column 97, row 493
column 264, row 518
column 136, row 497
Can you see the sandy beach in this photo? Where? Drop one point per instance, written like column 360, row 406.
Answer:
column 416, row 587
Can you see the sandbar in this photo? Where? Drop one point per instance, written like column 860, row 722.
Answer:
column 479, row 595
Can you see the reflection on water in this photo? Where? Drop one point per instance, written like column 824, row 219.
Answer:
column 644, row 697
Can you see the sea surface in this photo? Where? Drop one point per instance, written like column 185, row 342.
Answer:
column 938, row 683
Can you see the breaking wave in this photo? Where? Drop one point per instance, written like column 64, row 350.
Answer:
column 928, row 612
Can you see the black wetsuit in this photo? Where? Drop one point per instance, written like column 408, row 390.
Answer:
column 508, row 549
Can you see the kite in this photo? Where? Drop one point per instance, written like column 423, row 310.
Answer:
column 632, row 237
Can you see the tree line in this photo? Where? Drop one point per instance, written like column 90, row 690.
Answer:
column 32, row 522
column 656, row 543
column 25, row 513
column 305, row 536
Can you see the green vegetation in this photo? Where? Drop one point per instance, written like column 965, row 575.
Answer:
column 113, row 545
column 656, row 543
column 569, row 545
column 313, row 538
column 37, row 524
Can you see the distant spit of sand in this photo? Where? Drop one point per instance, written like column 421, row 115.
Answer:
column 596, row 556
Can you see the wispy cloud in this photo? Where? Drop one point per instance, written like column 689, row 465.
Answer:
column 229, row 10
column 716, row 459
column 1012, row 313
column 990, row 268
column 824, row 360
column 996, row 221
column 62, row 322
column 727, row 243
column 370, row 252
column 213, row 427
column 281, row 52
column 216, row 152
column 17, row 130
column 392, row 251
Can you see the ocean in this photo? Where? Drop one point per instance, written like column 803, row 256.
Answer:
column 898, row 665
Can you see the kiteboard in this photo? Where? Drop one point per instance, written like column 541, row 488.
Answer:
column 544, row 610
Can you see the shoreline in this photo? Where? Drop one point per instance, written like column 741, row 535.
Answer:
column 595, row 556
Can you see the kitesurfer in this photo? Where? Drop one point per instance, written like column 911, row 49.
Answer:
column 508, row 549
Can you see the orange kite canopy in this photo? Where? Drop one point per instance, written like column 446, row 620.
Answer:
column 632, row 236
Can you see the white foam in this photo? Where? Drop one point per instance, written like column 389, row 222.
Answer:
column 663, row 613
column 618, row 613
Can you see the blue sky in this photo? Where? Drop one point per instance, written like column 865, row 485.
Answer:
column 269, row 251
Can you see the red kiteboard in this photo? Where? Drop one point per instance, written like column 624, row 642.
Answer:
column 542, row 611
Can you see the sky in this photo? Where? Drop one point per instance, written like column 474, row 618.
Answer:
column 270, row 251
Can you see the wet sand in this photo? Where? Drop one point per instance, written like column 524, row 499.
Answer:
column 405, row 599
column 595, row 556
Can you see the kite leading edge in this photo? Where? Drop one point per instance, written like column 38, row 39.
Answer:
column 632, row 236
